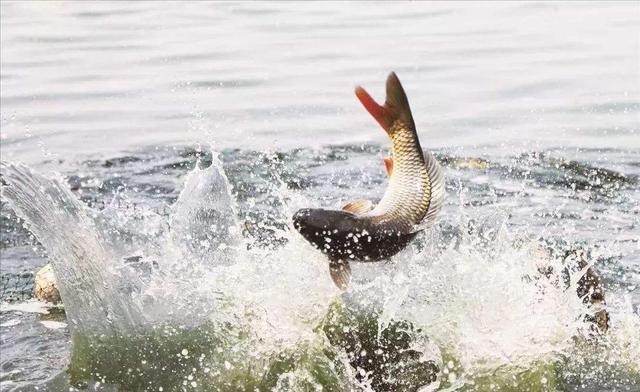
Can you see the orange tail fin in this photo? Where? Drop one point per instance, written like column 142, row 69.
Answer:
column 396, row 106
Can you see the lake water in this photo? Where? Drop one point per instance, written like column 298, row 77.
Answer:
column 533, row 109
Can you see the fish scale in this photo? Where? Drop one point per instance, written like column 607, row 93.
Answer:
column 408, row 197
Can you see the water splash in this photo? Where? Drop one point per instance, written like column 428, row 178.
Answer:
column 174, row 275
column 75, row 246
column 472, row 291
column 203, row 219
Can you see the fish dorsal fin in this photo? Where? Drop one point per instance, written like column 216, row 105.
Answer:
column 388, row 164
column 359, row 206
column 340, row 272
column 436, row 180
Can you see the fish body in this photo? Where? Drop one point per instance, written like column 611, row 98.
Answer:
column 362, row 231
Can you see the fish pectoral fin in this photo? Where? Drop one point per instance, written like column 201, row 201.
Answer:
column 340, row 272
column 359, row 206
column 388, row 164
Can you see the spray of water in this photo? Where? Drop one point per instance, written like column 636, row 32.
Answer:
column 189, row 292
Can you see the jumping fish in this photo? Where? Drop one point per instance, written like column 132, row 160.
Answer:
column 362, row 231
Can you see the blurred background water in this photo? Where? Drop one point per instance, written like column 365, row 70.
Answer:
column 123, row 97
column 112, row 76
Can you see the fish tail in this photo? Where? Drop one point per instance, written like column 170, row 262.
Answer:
column 396, row 105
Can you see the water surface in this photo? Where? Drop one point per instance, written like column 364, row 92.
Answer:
column 532, row 108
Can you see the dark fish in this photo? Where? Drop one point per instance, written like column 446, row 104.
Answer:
column 362, row 231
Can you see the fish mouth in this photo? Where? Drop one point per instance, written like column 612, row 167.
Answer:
column 299, row 219
column 303, row 222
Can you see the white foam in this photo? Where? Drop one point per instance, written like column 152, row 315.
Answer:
column 31, row 306
column 53, row 324
column 11, row 323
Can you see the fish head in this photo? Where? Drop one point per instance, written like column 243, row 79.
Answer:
column 342, row 235
column 325, row 228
